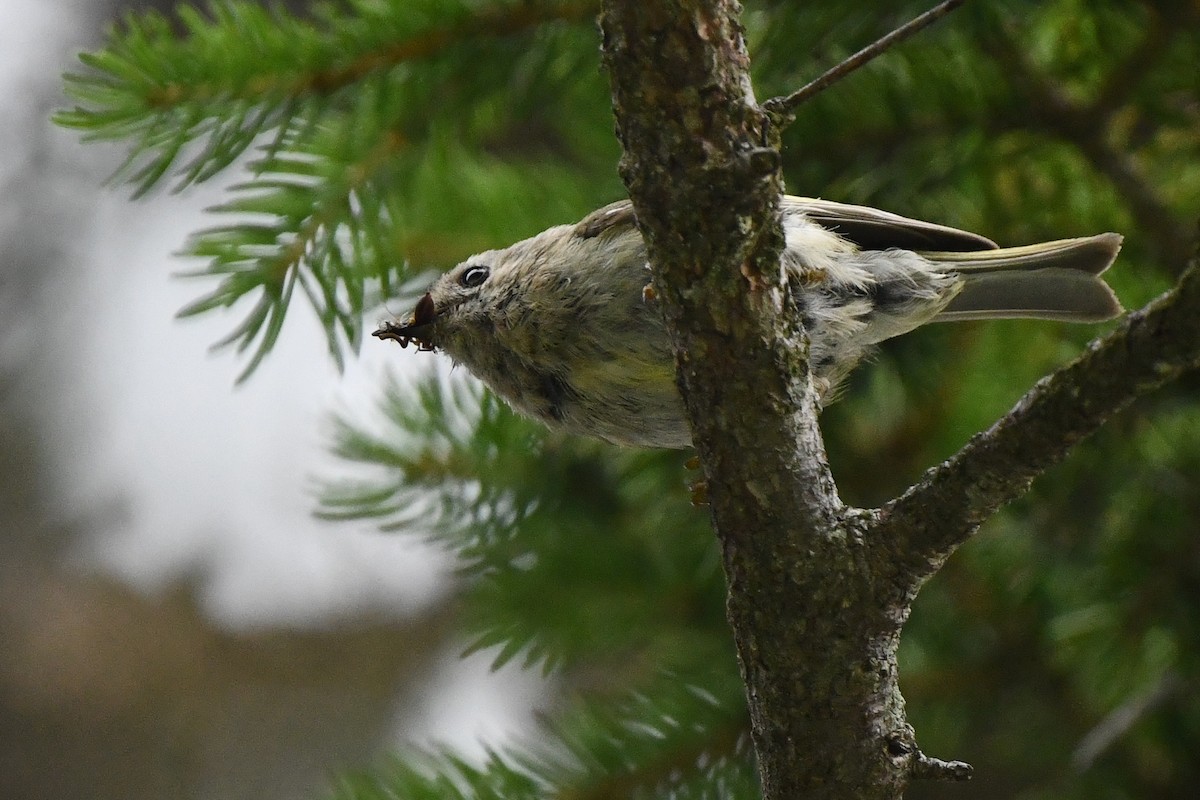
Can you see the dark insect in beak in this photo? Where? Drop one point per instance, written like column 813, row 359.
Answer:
column 416, row 329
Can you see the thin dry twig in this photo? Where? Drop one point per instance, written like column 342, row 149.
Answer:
column 783, row 109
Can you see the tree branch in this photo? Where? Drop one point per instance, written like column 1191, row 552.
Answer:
column 815, row 644
column 1154, row 346
column 783, row 108
column 504, row 21
column 818, row 592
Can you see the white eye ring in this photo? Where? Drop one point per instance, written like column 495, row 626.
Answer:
column 473, row 276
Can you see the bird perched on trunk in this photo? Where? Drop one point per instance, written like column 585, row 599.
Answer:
column 561, row 327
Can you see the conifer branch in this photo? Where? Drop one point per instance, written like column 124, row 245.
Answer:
column 505, row 20
column 244, row 70
column 596, row 754
column 322, row 212
column 714, row 745
column 299, row 223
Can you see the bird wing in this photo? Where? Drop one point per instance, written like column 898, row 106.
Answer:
column 613, row 215
column 869, row 228
column 872, row 229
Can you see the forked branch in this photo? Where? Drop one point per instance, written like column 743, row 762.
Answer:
column 1152, row 347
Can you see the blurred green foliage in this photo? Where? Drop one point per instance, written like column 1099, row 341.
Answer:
column 1057, row 651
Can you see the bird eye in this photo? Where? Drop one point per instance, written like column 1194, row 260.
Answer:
column 473, row 276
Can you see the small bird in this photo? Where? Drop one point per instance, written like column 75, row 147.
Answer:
column 561, row 325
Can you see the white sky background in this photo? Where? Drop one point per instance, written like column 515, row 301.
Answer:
column 194, row 479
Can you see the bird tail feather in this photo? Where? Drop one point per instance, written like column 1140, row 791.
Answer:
column 1054, row 280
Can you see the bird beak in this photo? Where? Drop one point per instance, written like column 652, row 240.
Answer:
column 417, row 329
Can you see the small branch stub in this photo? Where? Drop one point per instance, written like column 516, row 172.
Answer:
column 925, row 768
column 921, row 767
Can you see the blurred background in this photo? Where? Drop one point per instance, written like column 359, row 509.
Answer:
column 175, row 622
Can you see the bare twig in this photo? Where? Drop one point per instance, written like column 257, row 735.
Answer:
column 783, row 109
column 935, row 769
column 922, row 767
